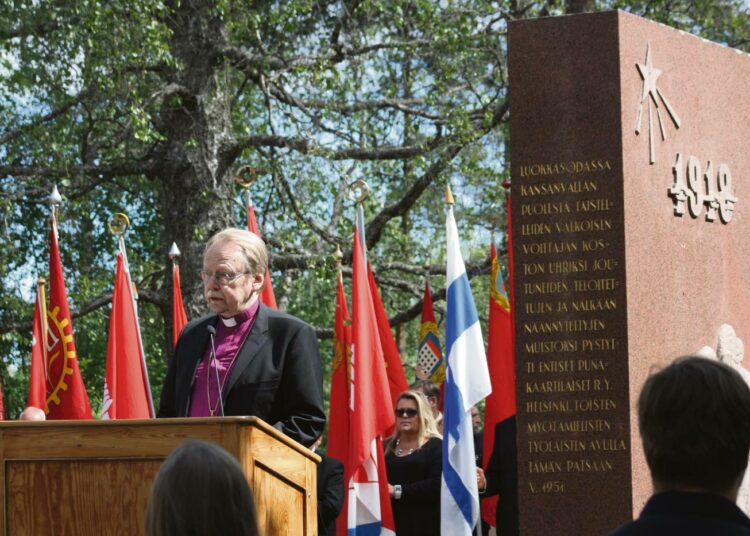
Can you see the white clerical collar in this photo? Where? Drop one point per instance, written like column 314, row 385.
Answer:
column 228, row 322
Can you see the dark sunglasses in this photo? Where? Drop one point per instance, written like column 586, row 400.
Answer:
column 406, row 412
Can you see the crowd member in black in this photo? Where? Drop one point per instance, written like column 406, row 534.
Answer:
column 476, row 425
column 200, row 489
column 330, row 491
column 502, row 478
column 413, row 458
column 694, row 418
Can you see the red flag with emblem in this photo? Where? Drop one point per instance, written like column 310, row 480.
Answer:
column 127, row 394
column 501, row 404
column 430, row 362
column 338, row 407
column 66, row 393
column 38, row 377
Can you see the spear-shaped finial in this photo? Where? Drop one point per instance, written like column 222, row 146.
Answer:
column 54, row 199
column 449, row 196
column 174, row 252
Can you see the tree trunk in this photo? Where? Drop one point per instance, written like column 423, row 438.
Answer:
column 195, row 176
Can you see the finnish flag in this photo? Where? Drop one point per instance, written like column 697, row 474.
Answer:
column 467, row 382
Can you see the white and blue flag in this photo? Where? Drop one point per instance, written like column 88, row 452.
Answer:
column 467, row 381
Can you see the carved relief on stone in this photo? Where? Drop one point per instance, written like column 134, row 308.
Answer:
column 651, row 95
column 730, row 350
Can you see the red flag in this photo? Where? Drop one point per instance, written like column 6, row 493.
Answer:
column 2, row 405
column 371, row 411
column 38, row 378
column 501, row 404
column 126, row 391
column 66, row 394
column 179, row 318
column 393, row 366
column 430, row 363
column 338, row 407
column 267, row 297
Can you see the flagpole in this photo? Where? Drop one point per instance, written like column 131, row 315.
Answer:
column 467, row 383
column 359, row 191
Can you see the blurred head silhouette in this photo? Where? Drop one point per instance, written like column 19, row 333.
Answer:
column 200, row 489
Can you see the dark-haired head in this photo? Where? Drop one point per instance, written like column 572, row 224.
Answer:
column 694, row 417
column 200, row 489
column 431, row 391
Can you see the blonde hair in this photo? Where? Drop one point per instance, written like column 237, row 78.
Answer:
column 251, row 245
column 427, row 425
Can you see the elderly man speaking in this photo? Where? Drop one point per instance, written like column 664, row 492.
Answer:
column 245, row 359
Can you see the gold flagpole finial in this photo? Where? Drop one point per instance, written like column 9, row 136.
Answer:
column 118, row 224
column 245, row 177
column 449, row 196
column 359, row 190
column 41, row 281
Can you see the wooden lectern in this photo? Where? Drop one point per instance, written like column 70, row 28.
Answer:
column 77, row 478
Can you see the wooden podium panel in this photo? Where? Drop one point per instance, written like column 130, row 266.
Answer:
column 94, row 477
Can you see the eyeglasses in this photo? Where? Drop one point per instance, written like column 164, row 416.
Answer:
column 222, row 278
column 406, row 413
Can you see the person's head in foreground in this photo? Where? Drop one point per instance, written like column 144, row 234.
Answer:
column 694, row 418
column 200, row 489
column 32, row 413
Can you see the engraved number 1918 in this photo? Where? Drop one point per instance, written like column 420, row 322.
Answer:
column 715, row 193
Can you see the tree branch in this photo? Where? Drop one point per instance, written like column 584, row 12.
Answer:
column 309, row 146
column 51, row 116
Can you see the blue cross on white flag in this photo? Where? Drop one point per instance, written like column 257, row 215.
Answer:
column 467, row 382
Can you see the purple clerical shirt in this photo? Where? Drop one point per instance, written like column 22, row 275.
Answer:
column 230, row 335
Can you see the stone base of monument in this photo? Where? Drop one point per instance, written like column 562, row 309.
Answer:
column 630, row 155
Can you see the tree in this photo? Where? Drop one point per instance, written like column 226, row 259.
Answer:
column 150, row 106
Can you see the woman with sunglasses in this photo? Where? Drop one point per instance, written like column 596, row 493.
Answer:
column 413, row 458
